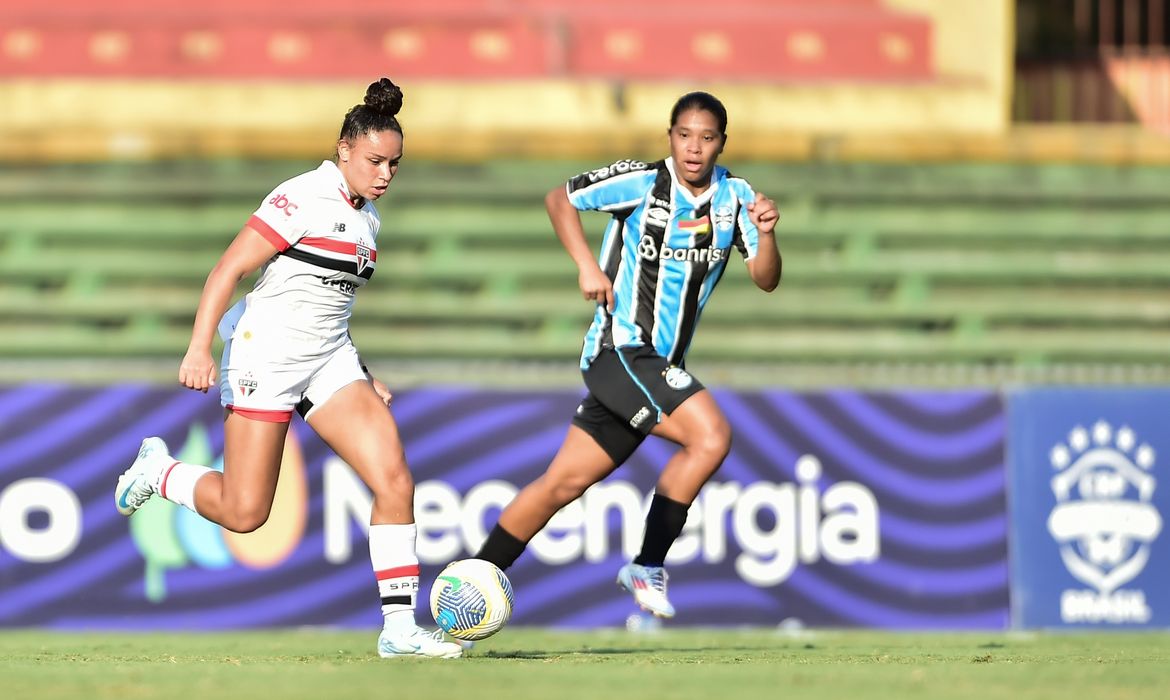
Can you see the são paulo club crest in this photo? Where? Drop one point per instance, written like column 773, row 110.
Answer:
column 247, row 384
column 363, row 257
column 1104, row 521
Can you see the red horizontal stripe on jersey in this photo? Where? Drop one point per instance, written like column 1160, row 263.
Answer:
column 257, row 224
column 397, row 572
column 335, row 246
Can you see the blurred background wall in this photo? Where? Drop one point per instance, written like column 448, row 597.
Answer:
column 972, row 186
column 493, row 77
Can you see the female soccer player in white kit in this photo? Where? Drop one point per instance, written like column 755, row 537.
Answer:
column 287, row 347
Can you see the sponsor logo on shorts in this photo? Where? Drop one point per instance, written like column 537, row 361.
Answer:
column 640, row 417
column 677, row 378
column 339, row 228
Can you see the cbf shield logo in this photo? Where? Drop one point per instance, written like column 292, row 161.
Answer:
column 1104, row 521
column 1086, row 514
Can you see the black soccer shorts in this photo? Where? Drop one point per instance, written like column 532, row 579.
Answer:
column 630, row 389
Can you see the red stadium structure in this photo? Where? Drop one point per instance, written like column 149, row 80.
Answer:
column 772, row 40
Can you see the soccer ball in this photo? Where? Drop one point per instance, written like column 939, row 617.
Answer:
column 471, row 599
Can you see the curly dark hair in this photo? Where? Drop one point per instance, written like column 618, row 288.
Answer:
column 376, row 113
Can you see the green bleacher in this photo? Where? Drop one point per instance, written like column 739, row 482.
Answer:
column 973, row 265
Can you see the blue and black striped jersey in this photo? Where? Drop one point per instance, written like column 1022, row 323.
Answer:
column 664, row 250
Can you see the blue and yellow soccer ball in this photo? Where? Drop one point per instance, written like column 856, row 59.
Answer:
column 471, row 599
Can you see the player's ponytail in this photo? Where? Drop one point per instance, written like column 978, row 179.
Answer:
column 384, row 97
column 378, row 111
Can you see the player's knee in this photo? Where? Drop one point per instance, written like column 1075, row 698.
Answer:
column 393, row 484
column 567, row 489
column 246, row 518
column 246, row 522
column 713, row 443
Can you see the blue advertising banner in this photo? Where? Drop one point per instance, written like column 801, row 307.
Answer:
column 1087, row 514
column 834, row 509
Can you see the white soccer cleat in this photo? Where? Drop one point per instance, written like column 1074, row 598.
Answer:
column 648, row 584
column 141, row 481
column 416, row 642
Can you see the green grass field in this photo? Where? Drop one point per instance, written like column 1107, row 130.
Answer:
column 527, row 663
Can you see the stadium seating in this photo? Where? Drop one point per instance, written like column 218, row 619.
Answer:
column 747, row 39
column 960, row 264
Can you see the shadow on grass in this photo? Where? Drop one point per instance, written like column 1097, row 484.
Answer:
column 610, row 651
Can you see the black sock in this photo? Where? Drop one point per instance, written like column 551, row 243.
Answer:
column 501, row 548
column 664, row 522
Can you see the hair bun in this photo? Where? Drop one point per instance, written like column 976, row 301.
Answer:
column 384, row 97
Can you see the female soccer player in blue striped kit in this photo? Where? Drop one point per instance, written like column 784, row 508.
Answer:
column 675, row 222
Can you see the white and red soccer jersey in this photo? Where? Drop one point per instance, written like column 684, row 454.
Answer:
column 327, row 250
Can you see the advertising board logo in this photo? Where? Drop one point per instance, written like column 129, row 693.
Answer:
column 171, row 537
column 1104, row 520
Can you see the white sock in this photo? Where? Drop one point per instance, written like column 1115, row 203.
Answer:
column 178, row 483
column 396, row 568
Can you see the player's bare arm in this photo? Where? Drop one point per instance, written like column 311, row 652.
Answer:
column 766, row 266
column 566, row 220
column 244, row 256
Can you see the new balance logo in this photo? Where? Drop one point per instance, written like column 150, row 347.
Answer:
column 339, row 228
